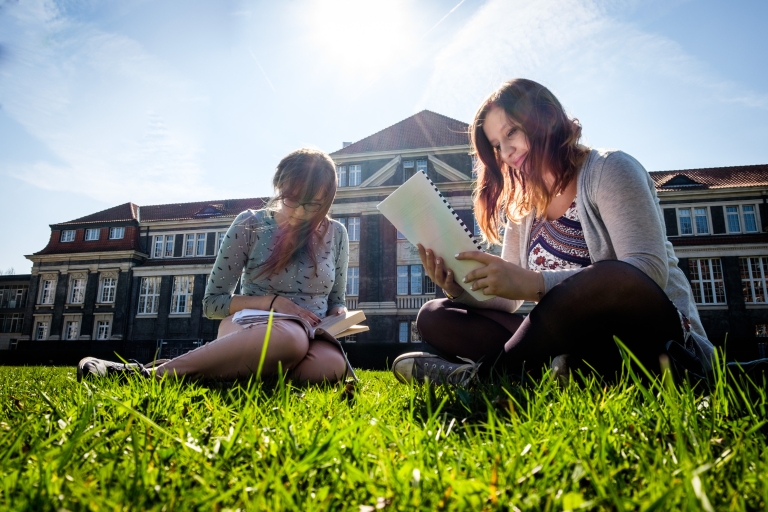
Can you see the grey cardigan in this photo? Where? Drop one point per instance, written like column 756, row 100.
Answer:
column 622, row 220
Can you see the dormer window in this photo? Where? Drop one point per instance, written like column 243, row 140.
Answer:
column 68, row 235
column 92, row 234
column 682, row 181
column 116, row 233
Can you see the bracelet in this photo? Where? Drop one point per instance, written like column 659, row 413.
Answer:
column 451, row 297
column 271, row 303
column 542, row 285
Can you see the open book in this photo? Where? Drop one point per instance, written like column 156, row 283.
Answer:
column 420, row 212
column 337, row 326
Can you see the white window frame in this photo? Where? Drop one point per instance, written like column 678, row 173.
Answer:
column 181, row 298
column 220, row 240
column 341, row 172
column 752, row 280
column 707, row 219
column 407, row 277
column 102, row 326
column 353, row 228
column 680, row 223
column 107, row 285
column 77, row 286
column 755, row 213
column 159, row 244
column 409, row 169
column 353, row 281
column 354, row 176
column 421, row 165
column 41, row 329
column 170, row 242
column 92, row 234
column 737, row 214
column 149, row 291
column 700, row 286
column 67, row 235
column 71, row 330
column 117, row 233
column 47, row 293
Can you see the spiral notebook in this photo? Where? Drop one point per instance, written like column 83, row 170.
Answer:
column 420, row 212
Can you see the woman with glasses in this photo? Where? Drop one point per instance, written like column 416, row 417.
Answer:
column 289, row 257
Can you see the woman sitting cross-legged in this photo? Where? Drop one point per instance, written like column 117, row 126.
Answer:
column 584, row 239
column 290, row 257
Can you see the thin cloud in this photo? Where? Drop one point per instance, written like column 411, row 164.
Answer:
column 571, row 44
column 143, row 151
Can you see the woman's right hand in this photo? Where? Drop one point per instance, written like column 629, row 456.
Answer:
column 439, row 274
column 288, row 307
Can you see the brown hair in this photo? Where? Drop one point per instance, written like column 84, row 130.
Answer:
column 553, row 140
column 301, row 175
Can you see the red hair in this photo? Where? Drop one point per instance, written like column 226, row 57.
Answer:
column 301, row 175
column 553, row 139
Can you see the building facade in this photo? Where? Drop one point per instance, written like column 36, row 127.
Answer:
column 136, row 274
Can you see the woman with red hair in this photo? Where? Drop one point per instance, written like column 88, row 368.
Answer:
column 290, row 257
column 584, row 238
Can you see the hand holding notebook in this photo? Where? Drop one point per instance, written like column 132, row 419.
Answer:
column 420, row 212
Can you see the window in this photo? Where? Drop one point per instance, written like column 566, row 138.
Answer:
column 684, row 216
column 11, row 322
column 353, row 281
column 402, row 335
column 707, row 281
column 102, row 330
column 732, row 219
column 195, row 244
column 77, row 290
column 190, row 246
column 355, row 173
column 750, row 219
column 68, row 235
column 149, row 295
column 41, row 330
column 13, row 295
column 47, row 291
column 421, row 165
column 400, row 236
column 158, row 252
column 92, row 234
column 341, row 171
column 408, row 169
column 169, row 246
column 116, row 233
column 219, row 240
column 181, row 301
column 411, row 280
column 702, row 222
column 761, row 331
column 407, row 332
column 71, row 329
column 107, row 293
column 753, row 278
column 415, row 336
column 353, row 229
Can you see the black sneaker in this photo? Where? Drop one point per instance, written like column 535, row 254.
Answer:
column 92, row 367
column 421, row 366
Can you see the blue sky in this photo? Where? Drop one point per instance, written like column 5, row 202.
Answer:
column 157, row 102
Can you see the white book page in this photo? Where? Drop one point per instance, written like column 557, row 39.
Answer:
column 420, row 212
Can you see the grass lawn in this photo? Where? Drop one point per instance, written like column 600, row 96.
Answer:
column 167, row 445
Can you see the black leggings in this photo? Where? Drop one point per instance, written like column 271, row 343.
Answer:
column 580, row 316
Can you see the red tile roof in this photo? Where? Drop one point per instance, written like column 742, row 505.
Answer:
column 127, row 211
column 130, row 241
column 200, row 209
column 712, row 178
column 423, row 130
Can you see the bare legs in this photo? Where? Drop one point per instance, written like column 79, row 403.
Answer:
column 237, row 350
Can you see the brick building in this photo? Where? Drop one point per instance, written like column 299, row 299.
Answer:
column 136, row 274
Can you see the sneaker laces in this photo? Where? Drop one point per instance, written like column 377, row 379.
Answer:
column 469, row 371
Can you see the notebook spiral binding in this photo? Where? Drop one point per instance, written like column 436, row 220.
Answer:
column 455, row 215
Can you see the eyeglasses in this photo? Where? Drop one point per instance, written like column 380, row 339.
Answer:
column 308, row 207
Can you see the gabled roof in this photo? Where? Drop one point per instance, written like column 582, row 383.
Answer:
column 200, row 209
column 712, row 178
column 423, row 130
column 123, row 212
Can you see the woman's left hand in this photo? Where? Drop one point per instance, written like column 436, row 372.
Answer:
column 500, row 277
column 337, row 310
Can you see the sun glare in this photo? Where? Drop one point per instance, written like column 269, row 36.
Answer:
column 363, row 36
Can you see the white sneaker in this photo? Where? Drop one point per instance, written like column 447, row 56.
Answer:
column 421, row 366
